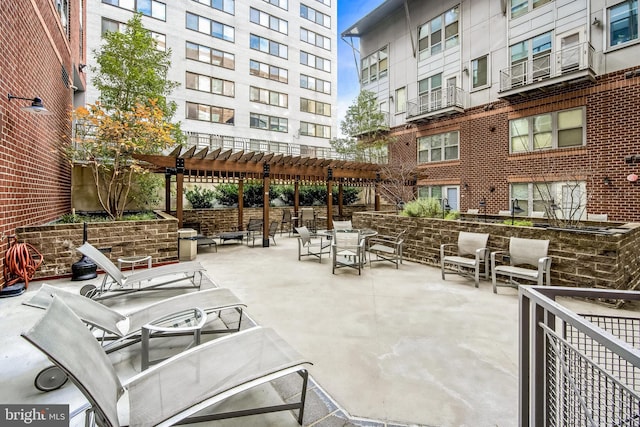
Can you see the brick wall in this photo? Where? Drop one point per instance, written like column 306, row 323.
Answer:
column 612, row 133
column 34, row 175
column 57, row 243
column 578, row 259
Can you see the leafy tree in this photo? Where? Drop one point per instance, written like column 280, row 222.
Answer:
column 366, row 130
column 131, row 117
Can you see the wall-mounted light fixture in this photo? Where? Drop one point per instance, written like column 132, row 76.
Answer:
column 606, row 180
column 515, row 209
column 465, row 70
column 445, row 206
column 81, row 67
column 36, row 106
column 596, row 22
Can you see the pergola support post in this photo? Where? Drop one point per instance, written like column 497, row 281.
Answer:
column 329, row 199
column 266, row 181
column 167, row 191
column 179, row 189
column 340, row 200
column 376, row 203
column 240, row 203
column 296, row 199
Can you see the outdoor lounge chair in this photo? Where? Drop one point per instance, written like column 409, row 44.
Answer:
column 311, row 245
column 117, row 283
column 527, row 259
column 117, row 330
column 386, row 248
column 254, row 228
column 273, row 229
column 471, row 254
column 342, row 225
column 348, row 250
column 175, row 390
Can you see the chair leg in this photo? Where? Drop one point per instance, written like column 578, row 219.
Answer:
column 477, row 275
column 493, row 281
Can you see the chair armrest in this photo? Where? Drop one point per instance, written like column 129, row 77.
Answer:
column 444, row 246
column 494, row 256
column 544, row 263
column 481, row 254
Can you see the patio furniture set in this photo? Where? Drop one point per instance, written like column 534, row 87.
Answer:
column 526, row 259
column 183, row 386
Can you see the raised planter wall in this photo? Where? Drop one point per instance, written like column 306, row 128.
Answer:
column 578, row 258
column 57, row 242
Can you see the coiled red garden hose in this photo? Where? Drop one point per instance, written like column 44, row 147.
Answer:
column 20, row 263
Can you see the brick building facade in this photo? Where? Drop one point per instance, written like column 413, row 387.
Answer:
column 537, row 102
column 41, row 49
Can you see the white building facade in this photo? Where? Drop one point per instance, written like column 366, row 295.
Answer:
column 254, row 75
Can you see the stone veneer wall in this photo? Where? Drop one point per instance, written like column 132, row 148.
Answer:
column 578, row 258
column 57, row 242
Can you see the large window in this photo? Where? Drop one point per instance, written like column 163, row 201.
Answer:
column 436, row 148
column 520, row 7
column 267, row 71
column 623, row 22
column 316, row 130
column 314, row 61
column 210, row 55
column 212, row 28
column 210, row 113
column 531, row 59
column 269, row 97
column 441, row 192
column 375, row 66
column 262, row 121
column 109, row 25
column 223, row 5
column 315, row 39
column 559, row 129
column 315, row 107
column 480, row 72
column 268, row 46
column 315, row 16
column 282, row 4
column 210, row 84
column 152, row 8
column 312, row 83
column 63, row 12
column 264, row 19
column 401, row 100
column 562, row 199
column 442, row 32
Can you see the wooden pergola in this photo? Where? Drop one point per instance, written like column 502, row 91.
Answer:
column 227, row 166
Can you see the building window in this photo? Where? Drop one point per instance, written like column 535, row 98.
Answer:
column 315, row 39
column 560, row 199
column 430, row 35
column 268, row 46
column 269, row 97
column 63, row 12
column 109, row 25
column 315, row 107
column 269, row 21
column 520, row 7
column 210, row 84
column 375, row 66
column 314, row 61
column 210, row 27
column 315, row 130
column 325, row 2
column 623, row 22
column 436, row 148
column 152, row 8
column 209, row 55
column 282, row 4
column 559, row 129
column 480, row 72
column 267, row 71
column 312, row 83
column 210, row 113
column 262, row 121
column 401, row 100
column 223, row 5
column 450, row 192
column 531, row 59
column 315, row 16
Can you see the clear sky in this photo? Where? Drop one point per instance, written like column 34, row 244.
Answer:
column 349, row 12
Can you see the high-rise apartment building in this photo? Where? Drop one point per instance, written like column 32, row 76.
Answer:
column 496, row 101
column 254, row 75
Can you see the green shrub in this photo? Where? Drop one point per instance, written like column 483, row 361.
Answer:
column 452, row 216
column 200, row 198
column 312, row 195
column 80, row 218
column 227, row 194
column 423, row 208
column 519, row 222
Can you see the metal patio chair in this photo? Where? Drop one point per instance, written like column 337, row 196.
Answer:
column 177, row 390
column 309, row 245
column 386, row 248
column 471, row 254
column 116, row 282
column 348, row 250
column 527, row 259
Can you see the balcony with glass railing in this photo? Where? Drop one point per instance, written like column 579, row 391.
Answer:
column 437, row 103
column 574, row 64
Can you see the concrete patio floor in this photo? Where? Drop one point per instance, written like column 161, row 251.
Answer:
column 389, row 347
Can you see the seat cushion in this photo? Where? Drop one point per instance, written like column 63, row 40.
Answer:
column 469, row 262
column 510, row 270
column 382, row 249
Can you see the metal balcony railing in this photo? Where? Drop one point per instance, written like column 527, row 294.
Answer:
column 577, row 370
column 549, row 66
column 436, row 101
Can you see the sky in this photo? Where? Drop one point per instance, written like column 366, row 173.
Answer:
column 349, row 12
